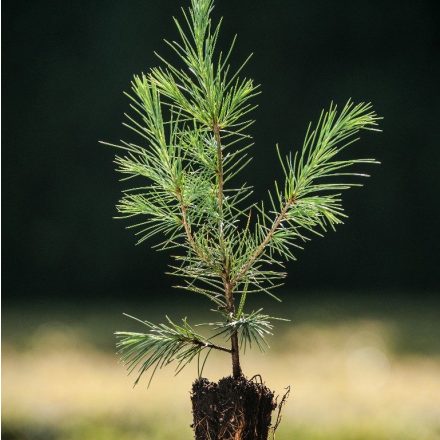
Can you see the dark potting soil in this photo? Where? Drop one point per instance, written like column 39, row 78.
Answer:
column 232, row 409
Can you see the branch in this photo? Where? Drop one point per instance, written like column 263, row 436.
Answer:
column 162, row 345
column 185, row 223
column 211, row 345
column 260, row 249
column 189, row 235
column 307, row 188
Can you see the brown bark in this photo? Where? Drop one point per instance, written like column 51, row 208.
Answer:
column 235, row 352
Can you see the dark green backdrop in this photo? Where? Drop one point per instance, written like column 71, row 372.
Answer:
column 65, row 65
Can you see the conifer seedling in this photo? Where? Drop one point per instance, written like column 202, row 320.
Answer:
column 191, row 117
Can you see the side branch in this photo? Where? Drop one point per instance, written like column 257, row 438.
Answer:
column 185, row 223
column 187, row 227
column 259, row 250
column 210, row 345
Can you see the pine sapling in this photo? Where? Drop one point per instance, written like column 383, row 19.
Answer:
column 191, row 121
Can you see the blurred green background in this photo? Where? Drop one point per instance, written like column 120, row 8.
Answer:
column 362, row 352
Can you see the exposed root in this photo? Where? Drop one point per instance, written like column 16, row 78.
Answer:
column 234, row 409
column 280, row 408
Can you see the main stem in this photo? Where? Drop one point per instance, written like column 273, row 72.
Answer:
column 235, row 348
column 229, row 293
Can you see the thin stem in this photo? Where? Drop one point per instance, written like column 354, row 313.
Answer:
column 220, row 183
column 259, row 250
column 187, row 227
column 210, row 345
column 235, row 352
column 229, row 294
column 235, row 347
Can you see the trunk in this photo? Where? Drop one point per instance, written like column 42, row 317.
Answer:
column 235, row 346
column 232, row 409
column 235, row 354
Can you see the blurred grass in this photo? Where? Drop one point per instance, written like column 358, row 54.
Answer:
column 361, row 367
column 101, row 430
